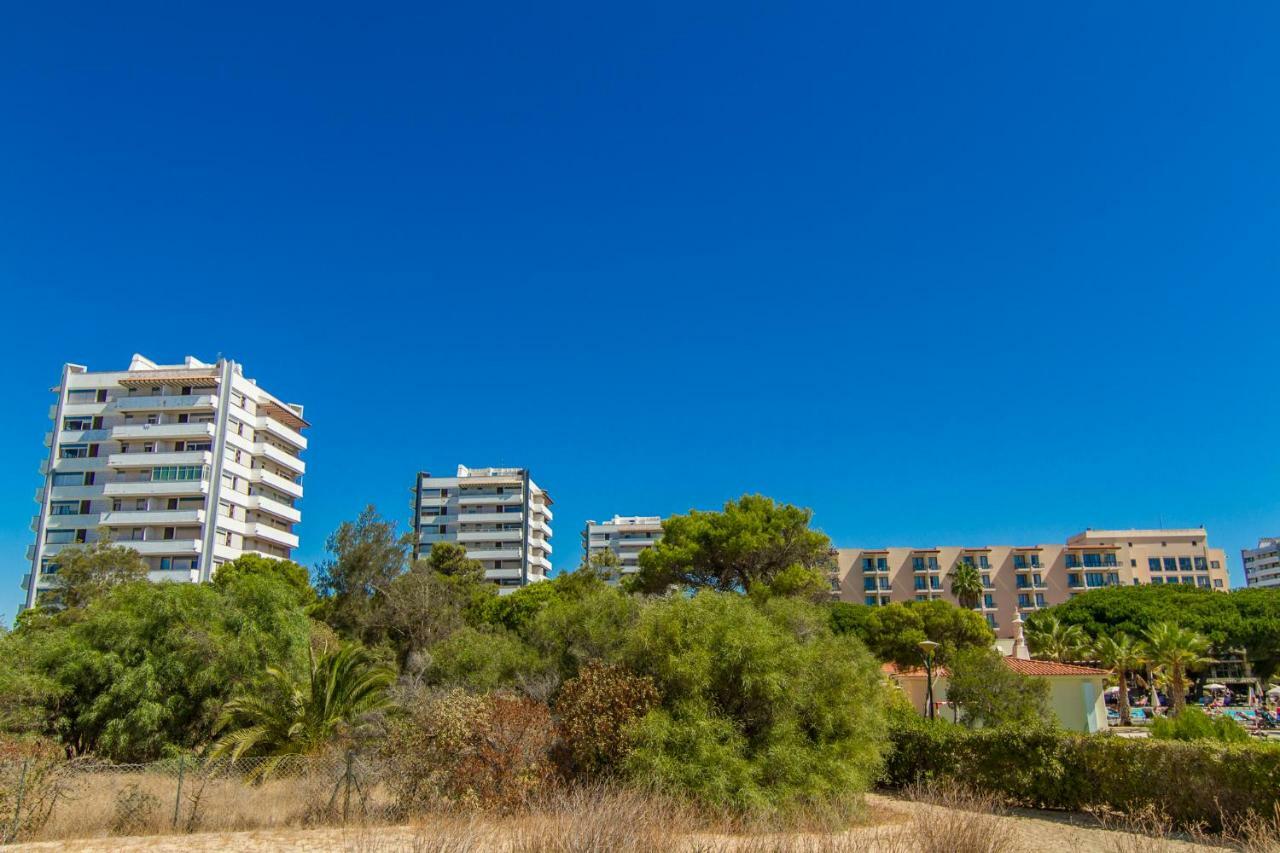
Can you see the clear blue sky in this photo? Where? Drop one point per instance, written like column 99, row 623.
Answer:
column 942, row 272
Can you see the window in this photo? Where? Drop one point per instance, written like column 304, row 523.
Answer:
column 983, row 562
column 870, row 601
column 68, row 479
column 917, row 564
column 166, row 563
column 868, row 564
column 1035, row 561
column 1022, row 582
column 935, row 582
column 1073, row 561
column 1189, row 580
column 1204, row 582
column 933, row 564
column 1108, row 559
column 868, row 584
column 1073, row 579
column 882, row 564
column 1201, row 564
column 1157, row 580
column 64, row 508
column 920, row 584
column 884, row 583
column 986, row 582
column 1095, row 579
column 1092, row 560
column 922, row 598
column 172, row 473
column 77, row 424
column 989, row 601
column 1019, row 561
column 1170, row 564
column 1153, row 563
column 1037, row 579
column 60, row 537
column 82, row 395
column 1214, row 564
column 1217, row 583
column 991, row 622
column 1024, row 600
column 1184, row 564
column 74, row 451
column 1040, row 599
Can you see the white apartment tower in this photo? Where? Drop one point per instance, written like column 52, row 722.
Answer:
column 499, row 515
column 626, row 536
column 191, row 465
column 1262, row 564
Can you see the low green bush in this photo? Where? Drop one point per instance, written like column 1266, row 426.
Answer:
column 1194, row 724
column 1192, row 782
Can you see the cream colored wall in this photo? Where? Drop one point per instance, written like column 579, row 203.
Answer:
column 1070, row 699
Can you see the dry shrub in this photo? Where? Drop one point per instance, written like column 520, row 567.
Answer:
column 594, row 710
column 1255, row 833
column 136, row 811
column 463, row 751
column 34, row 778
column 593, row 818
column 955, row 819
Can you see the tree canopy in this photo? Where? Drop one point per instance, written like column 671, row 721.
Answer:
column 893, row 632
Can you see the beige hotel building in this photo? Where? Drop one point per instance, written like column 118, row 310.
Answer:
column 1027, row 578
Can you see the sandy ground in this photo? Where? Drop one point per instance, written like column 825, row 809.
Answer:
column 1033, row 832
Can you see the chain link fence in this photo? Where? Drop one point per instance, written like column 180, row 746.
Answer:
column 46, row 799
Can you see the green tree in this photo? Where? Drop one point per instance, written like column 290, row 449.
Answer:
column 246, row 566
column 991, row 694
column 1176, row 652
column 435, row 598
column 289, row 716
column 753, row 715
column 894, row 632
column 606, row 564
column 751, row 541
column 87, row 573
column 1049, row 639
column 367, row 556
column 1122, row 655
column 966, row 585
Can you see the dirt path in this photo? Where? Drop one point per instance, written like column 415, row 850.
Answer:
column 1028, row 832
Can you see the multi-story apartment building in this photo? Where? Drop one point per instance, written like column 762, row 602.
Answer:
column 626, row 536
column 189, row 464
column 1262, row 564
column 1021, row 579
column 499, row 515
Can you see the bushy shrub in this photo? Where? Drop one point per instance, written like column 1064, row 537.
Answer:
column 482, row 660
column 458, row 749
column 1193, row 783
column 1194, row 724
column 762, row 708
column 595, row 712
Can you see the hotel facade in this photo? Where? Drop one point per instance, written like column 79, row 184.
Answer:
column 1262, row 564
column 191, row 465
column 626, row 536
column 500, row 515
column 1023, row 579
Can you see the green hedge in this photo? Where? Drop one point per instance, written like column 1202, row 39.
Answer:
column 1197, row 782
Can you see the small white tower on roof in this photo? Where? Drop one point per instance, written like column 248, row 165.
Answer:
column 1020, row 649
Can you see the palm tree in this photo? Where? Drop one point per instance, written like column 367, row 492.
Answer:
column 966, row 585
column 1050, row 639
column 293, row 716
column 1123, row 655
column 1176, row 651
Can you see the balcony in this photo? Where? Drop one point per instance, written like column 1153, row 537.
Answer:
column 151, row 460
column 271, row 534
column 161, row 431
column 275, row 481
column 166, row 547
column 635, row 542
column 87, row 521
column 494, row 553
column 267, row 505
column 280, row 457
column 175, row 488
column 490, row 500
column 164, row 402
column 545, row 510
column 77, row 436
column 174, row 575
column 70, row 493
column 282, row 432
column 157, row 517
column 481, row 517
column 542, row 562
column 489, row 536
column 543, row 544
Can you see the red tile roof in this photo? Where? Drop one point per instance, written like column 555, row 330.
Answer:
column 1022, row 667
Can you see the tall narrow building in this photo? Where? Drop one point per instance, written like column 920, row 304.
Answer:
column 191, row 465
column 499, row 515
column 626, row 536
column 1262, row 564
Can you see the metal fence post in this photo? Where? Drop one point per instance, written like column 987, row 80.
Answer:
column 177, row 799
column 17, row 809
column 346, row 797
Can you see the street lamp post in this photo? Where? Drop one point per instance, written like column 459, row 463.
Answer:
column 926, row 651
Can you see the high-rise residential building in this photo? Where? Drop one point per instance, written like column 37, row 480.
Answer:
column 624, row 535
column 191, row 465
column 1262, row 564
column 1022, row 579
column 499, row 515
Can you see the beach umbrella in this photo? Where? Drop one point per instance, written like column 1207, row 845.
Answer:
column 1112, row 690
column 1274, row 691
column 1215, row 687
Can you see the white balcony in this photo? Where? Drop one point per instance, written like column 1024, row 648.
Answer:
column 267, row 505
column 157, row 517
column 174, row 576
column 636, row 543
column 540, row 526
column 164, row 547
column 271, row 534
column 490, row 500
column 279, row 430
column 545, row 510
column 74, row 522
column 488, row 518
column 164, row 402
column 71, row 465
column 275, row 481
column 151, row 460
column 540, row 543
column 161, row 431
column 489, row 536
column 501, row 574
column 175, row 488
column 280, row 457
column 539, row 561
column 493, row 553
column 78, row 436
column 70, row 493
